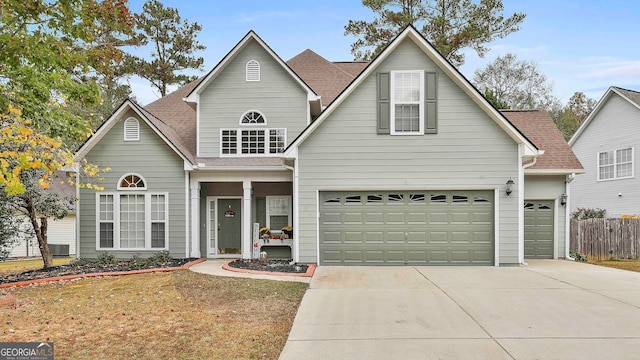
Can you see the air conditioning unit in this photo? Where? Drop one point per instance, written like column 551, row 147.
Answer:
column 59, row 250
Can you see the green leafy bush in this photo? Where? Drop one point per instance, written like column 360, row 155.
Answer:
column 584, row 213
column 577, row 256
column 160, row 258
column 106, row 259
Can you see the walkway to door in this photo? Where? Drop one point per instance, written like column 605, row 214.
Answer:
column 551, row 309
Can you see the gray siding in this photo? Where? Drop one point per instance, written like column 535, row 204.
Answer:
column 152, row 159
column 469, row 151
column 277, row 96
column 617, row 125
column 550, row 188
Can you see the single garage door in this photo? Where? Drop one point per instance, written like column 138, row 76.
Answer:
column 538, row 229
column 407, row 228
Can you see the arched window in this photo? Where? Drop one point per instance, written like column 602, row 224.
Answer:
column 252, row 117
column 253, row 70
column 132, row 182
column 131, row 130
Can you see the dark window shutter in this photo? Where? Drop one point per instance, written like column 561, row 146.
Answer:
column 430, row 106
column 384, row 111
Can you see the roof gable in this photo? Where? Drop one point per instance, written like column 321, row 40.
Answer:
column 164, row 131
column 251, row 36
column 411, row 33
column 633, row 97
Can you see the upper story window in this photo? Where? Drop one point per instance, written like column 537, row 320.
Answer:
column 252, row 117
column 407, row 98
column 132, row 182
column 252, row 142
column 131, row 129
column 615, row 164
column 407, row 102
column 253, row 70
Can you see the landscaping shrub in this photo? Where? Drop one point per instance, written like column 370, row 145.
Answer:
column 584, row 213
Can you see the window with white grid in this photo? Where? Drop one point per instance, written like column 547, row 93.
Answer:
column 616, row 164
column 407, row 102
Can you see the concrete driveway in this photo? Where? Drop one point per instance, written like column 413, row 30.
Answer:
column 550, row 309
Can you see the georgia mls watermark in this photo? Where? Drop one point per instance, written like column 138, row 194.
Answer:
column 26, row 351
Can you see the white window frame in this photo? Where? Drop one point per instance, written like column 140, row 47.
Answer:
column 120, row 187
column 253, row 70
column 238, row 144
column 131, row 132
column 394, row 102
column 286, row 210
column 147, row 218
column 253, row 124
column 616, row 164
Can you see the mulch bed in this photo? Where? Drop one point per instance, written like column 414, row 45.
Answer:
column 271, row 265
column 64, row 270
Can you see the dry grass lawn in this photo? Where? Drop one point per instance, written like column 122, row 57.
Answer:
column 631, row 265
column 176, row 315
column 13, row 266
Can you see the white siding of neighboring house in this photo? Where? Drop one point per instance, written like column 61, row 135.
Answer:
column 469, row 151
column 616, row 125
column 59, row 232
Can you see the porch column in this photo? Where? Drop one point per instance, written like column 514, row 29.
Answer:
column 246, row 220
column 195, row 219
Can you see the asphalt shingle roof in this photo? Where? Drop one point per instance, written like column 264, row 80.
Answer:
column 630, row 94
column 539, row 128
column 177, row 119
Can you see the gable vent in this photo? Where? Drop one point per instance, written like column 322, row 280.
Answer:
column 253, row 70
column 131, row 130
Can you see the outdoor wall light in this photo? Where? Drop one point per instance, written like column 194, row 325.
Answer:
column 509, row 185
column 563, row 199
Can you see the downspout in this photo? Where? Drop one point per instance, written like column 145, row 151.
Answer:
column 76, row 169
column 295, row 254
column 567, row 221
column 521, row 208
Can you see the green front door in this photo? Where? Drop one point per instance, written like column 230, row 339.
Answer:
column 229, row 221
column 538, row 229
column 407, row 228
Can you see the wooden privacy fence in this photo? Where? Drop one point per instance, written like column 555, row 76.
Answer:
column 601, row 239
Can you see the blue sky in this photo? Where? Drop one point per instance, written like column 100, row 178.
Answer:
column 580, row 45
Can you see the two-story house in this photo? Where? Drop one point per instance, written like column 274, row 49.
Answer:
column 606, row 144
column 396, row 161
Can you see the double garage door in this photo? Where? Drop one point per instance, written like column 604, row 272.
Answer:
column 407, row 228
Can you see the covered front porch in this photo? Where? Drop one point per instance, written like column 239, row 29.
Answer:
column 228, row 211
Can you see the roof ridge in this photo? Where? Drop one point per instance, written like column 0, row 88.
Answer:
column 325, row 60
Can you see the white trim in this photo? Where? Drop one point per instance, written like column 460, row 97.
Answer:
column 556, row 204
column 496, row 226
column 268, row 210
column 267, row 142
column 393, row 102
column 252, row 74
column 194, row 193
column 318, row 226
column 567, row 221
column 615, row 164
column 252, row 124
column 187, row 210
column 119, row 187
column 213, row 252
column 131, row 132
column 520, row 189
column 245, row 223
column 147, row 221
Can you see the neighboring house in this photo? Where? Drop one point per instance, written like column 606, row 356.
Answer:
column 393, row 162
column 59, row 232
column 606, row 144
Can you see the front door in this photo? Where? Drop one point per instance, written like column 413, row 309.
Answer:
column 224, row 226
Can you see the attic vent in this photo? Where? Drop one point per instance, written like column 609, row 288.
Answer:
column 131, row 130
column 253, row 70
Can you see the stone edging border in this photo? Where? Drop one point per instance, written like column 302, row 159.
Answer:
column 114, row 273
column 310, row 270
